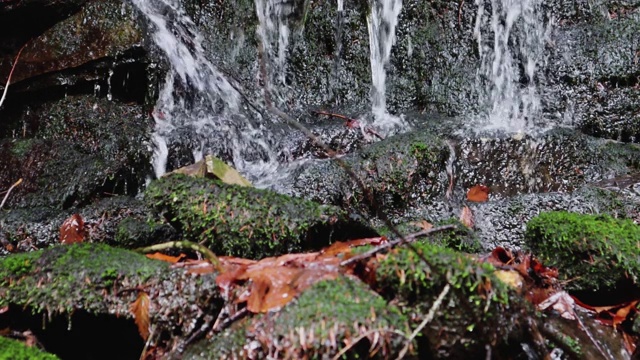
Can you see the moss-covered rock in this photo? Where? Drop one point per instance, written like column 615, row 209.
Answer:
column 323, row 321
column 119, row 221
column 99, row 29
column 15, row 350
column 64, row 278
column 101, row 280
column 398, row 172
column 593, row 251
column 78, row 149
column 478, row 310
column 247, row 222
column 461, row 238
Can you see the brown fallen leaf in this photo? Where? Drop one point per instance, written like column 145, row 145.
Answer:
column 478, row 193
column 466, row 217
column 167, row 258
column 72, row 230
column 423, row 224
column 140, row 311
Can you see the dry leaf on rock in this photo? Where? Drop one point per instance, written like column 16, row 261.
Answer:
column 466, row 217
column 72, row 230
column 167, row 258
column 423, row 224
column 140, row 311
column 478, row 193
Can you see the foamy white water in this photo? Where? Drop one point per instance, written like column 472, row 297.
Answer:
column 273, row 31
column 516, row 40
column 381, row 23
column 197, row 101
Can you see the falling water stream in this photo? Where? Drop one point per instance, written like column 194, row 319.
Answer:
column 273, row 31
column 511, row 49
column 382, row 22
column 197, row 102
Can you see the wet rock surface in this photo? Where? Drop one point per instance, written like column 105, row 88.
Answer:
column 76, row 128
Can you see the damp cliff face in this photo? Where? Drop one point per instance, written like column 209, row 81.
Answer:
column 107, row 94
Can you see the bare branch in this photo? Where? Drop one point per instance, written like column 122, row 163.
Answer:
column 6, row 86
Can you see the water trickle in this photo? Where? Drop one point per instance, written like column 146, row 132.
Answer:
column 109, row 94
column 273, row 31
column 509, row 58
column 197, row 102
column 381, row 23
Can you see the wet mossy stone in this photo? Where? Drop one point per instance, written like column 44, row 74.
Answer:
column 316, row 326
column 399, row 172
column 15, row 350
column 98, row 281
column 247, row 222
column 63, row 278
column 595, row 252
column 461, row 238
column 479, row 309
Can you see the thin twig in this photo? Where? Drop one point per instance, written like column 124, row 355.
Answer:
column 11, row 188
column 343, row 117
column 430, row 315
column 208, row 254
column 352, row 120
column 403, row 240
column 6, row 86
column 230, row 320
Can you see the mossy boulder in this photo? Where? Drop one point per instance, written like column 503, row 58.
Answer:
column 247, row 222
column 78, row 149
column 15, row 350
column 103, row 281
column 479, row 309
column 398, row 172
column 595, row 252
column 120, row 221
column 322, row 322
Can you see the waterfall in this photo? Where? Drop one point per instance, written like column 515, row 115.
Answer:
column 274, row 36
column 197, row 102
column 381, row 23
column 509, row 59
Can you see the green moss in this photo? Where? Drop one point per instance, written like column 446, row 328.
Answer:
column 15, row 350
column 327, row 315
column 399, row 171
column 479, row 308
column 21, row 148
column 461, row 239
column 74, row 276
column 17, row 265
column 594, row 251
column 241, row 221
column 133, row 233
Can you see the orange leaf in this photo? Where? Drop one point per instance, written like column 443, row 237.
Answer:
column 466, row 217
column 271, row 289
column 478, row 193
column 140, row 311
column 72, row 230
column 167, row 258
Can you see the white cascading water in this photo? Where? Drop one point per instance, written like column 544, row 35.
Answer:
column 519, row 34
column 381, row 22
column 273, row 31
column 197, row 100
